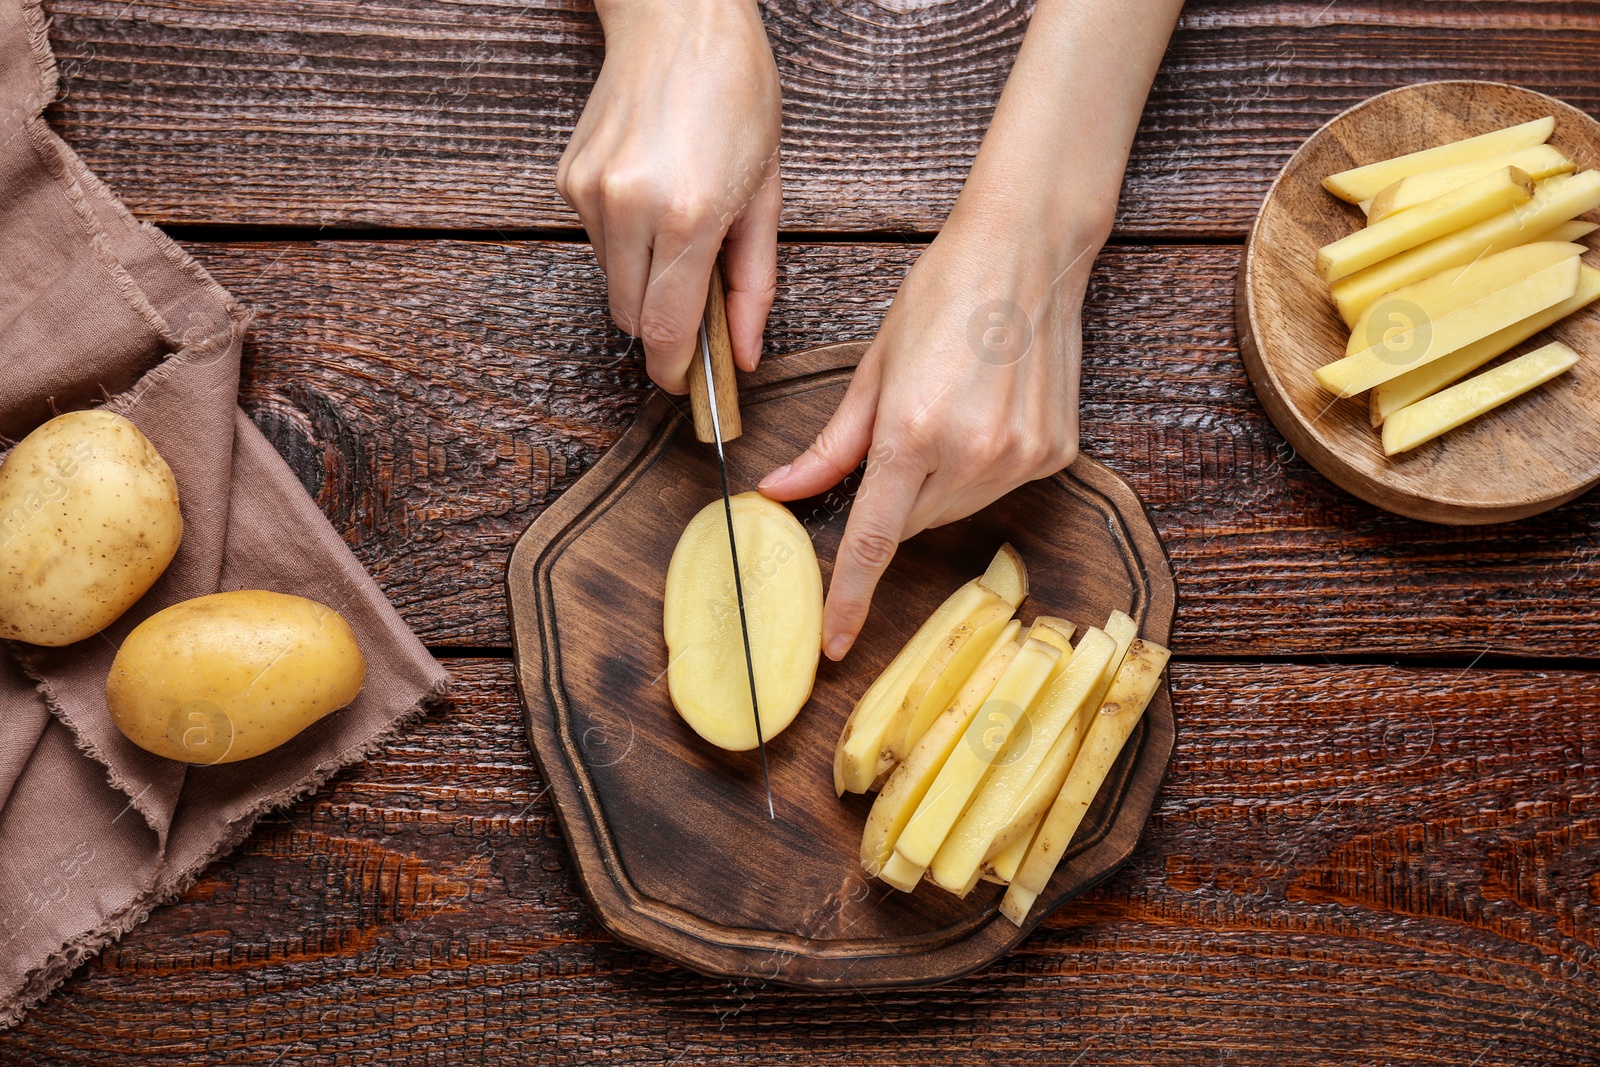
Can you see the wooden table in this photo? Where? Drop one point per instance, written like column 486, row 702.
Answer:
column 1380, row 840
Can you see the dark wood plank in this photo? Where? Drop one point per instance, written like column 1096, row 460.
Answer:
column 422, row 113
column 1347, row 865
column 435, row 396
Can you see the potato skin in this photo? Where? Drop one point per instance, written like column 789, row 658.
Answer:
column 226, row 677
column 89, row 520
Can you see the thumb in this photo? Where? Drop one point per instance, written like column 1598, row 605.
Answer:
column 838, row 449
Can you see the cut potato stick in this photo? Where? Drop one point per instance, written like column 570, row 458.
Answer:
column 861, row 755
column 956, row 865
column 900, row 873
column 974, row 756
column 1003, row 867
column 1461, row 403
column 909, row 781
column 1489, row 195
column 1554, row 202
column 1433, row 337
column 1364, row 183
column 1057, row 633
column 1130, row 694
column 1539, row 162
column 1571, row 231
column 948, row 665
column 1046, row 783
column 1455, row 288
column 1007, row 577
column 1428, row 379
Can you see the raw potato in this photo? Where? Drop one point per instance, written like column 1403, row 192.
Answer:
column 956, row 865
column 1007, row 576
column 1409, row 349
column 1555, row 202
column 1364, row 183
column 707, row 676
column 1052, row 772
column 1444, row 411
column 1130, row 694
column 863, row 754
column 1474, row 202
column 975, row 756
column 1429, row 378
column 909, row 783
column 226, row 677
column 933, row 686
column 1539, row 162
column 89, row 520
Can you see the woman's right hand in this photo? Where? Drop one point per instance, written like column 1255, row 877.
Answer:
column 675, row 158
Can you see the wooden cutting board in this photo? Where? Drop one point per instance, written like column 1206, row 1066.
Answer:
column 670, row 836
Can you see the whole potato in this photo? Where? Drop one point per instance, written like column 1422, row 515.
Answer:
column 229, row 676
column 88, row 521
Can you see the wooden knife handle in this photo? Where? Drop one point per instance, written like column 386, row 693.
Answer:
column 722, row 379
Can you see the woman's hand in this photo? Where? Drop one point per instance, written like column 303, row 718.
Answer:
column 674, row 158
column 969, row 390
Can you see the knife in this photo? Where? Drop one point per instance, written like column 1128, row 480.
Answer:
column 714, row 399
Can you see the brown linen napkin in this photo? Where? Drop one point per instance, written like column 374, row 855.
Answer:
column 98, row 309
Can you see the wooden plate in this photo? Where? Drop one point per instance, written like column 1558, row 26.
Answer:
column 1524, row 458
column 670, row 836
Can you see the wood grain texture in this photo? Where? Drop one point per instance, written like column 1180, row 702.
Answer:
column 672, row 839
column 1520, row 460
column 340, row 113
column 436, row 396
column 1348, row 865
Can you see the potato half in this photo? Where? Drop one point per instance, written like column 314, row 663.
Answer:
column 706, row 673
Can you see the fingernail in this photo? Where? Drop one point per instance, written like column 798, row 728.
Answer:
column 839, row 646
column 774, row 478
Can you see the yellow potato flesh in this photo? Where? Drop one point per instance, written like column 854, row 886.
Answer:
column 1052, row 771
column 956, row 865
column 1539, row 162
column 1437, row 336
column 1131, row 692
column 1555, row 202
column 975, row 755
column 952, row 660
column 1007, row 576
column 707, row 676
column 1364, row 183
column 230, row 676
column 1478, row 200
column 1429, row 378
column 863, row 752
column 89, row 520
column 909, row 783
column 1003, row 866
column 1456, row 288
column 1461, row 403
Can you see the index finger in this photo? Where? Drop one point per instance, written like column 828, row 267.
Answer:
column 873, row 533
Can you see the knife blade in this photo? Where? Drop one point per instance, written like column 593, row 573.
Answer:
column 714, row 400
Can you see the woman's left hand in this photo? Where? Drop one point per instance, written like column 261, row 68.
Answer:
column 969, row 390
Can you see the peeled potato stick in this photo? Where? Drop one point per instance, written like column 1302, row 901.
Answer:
column 956, row 865
column 909, row 782
column 1454, row 288
column 1130, row 694
column 861, row 754
column 1489, row 195
column 1046, row 782
column 1539, row 162
column 1555, row 201
column 1429, row 378
column 1364, row 183
column 1465, row 401
column 1435, row 336
column 974, row 755
column 1005, row 863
